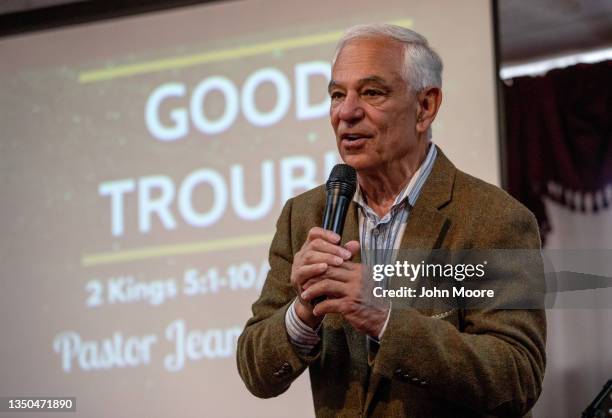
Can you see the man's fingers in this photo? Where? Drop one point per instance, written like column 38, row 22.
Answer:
column 353, row 247
column 324, row 234
column 312, row 281
column 326, row 287
column 328, row 306
column 315, row 257
column 307, row 272
column 345, row 273
column 326, row 247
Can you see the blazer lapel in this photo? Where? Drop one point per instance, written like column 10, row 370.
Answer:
column 426, row 228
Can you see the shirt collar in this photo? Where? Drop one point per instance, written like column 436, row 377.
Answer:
column 412, row 190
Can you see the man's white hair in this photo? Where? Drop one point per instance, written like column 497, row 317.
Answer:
column 422, row 65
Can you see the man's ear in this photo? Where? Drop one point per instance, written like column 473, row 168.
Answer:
column 429, row 101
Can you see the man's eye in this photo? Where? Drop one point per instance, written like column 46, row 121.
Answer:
column 336, row 95
column 373, row 93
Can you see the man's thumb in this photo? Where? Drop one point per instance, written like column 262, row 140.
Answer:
column 353, row 247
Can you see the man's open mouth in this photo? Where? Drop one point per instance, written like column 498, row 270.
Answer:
column 355, row 136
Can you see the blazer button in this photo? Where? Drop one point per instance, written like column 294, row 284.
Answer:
column 423, row 382
column 416, row 380
column 406, row 377
column 276, row 374
column 287, row 367
column 398, row 372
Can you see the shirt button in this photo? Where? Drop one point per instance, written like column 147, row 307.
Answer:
column 375, row 232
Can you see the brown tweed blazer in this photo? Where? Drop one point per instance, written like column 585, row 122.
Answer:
column 431, row 363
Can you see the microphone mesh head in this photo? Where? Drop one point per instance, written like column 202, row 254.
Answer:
column 344, row 178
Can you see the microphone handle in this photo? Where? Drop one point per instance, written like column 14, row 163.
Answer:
column 330, row 206
column 340, row 214
column 334, row 216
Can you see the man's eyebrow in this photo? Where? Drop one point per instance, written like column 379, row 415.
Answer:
column 331, row 85
column 369, row 79
column 373, row 79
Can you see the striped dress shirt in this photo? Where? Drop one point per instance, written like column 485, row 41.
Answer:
column 379, row 237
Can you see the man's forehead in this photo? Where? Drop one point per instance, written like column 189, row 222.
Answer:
column 364, row 75
column 375, row 48
column 369, row 59
column 369, row 79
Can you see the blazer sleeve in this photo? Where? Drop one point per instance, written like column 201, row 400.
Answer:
column 267, row 361
column 495, row 364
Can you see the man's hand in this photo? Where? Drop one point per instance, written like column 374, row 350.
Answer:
column 347, row 295
column 320, row 252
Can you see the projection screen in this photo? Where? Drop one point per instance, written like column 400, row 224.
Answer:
column 144, row 162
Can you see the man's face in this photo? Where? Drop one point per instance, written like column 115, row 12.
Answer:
column 372, row 110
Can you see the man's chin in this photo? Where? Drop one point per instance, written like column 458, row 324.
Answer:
column 358, row 162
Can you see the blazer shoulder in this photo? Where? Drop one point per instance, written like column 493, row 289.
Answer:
column 486, row 196
column 308, row 197
column 488, row 217
column 310, row 202
column 301, row 213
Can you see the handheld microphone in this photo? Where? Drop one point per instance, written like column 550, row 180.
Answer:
column 340, row 188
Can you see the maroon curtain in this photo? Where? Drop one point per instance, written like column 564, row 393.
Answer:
column 558, row 141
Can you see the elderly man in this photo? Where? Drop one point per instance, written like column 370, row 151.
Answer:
column 380, row 361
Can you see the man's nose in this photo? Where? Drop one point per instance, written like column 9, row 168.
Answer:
column 351, row 109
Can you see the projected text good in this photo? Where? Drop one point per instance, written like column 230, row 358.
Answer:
column 235, row 101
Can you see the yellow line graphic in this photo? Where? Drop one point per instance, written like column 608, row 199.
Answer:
column 215, row 56
column 89, row 260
